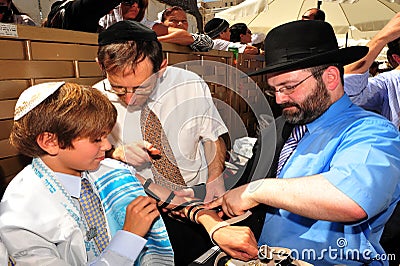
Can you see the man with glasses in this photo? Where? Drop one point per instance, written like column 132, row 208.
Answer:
column 338, row 173
column 139, row 80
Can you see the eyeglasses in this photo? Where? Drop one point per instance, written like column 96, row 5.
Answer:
column 143, row 89
column 287, row 90
column 129, row 2
column 290, row 89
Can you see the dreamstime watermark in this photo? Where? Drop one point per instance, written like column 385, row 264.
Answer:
column 338, row 253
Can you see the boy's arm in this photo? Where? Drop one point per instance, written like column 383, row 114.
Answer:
column 28, row 248
column 177, row 36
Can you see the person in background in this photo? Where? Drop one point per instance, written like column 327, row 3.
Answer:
column 9, row 13
column 313, row 14
column 135, row 10
column 374, row 69
column 240, row 33
column 334, row 189
column 382, row 92
column 79, row 15
column 176, row 17
column 257, row 40
column 218, row 28
column 219, row 32
column 128, row 9
column 392, row 62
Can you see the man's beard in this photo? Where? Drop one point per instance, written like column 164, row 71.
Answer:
column 311, row 108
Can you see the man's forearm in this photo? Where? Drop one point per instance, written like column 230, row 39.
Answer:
column 215, row 156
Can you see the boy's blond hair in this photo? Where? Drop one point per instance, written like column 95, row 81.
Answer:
column 72, row 111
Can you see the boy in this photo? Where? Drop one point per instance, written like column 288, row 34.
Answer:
column 43, row 217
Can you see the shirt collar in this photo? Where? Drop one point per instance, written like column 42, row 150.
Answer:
column 330, row 114
column 156, row 93
column 71, row 183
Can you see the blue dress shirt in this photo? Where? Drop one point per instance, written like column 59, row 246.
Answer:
column 359, row 153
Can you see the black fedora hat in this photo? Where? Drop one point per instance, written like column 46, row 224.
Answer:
column 305, row 43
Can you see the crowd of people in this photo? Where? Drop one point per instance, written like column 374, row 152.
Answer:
column 130, row 170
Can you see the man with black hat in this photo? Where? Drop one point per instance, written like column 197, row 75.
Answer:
column 338, row 172
column 177, row 105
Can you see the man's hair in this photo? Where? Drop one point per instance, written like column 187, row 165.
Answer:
column 167, row 12
column 236, row 30
column 318, row 15
column 117, row 57
column 72, row 111
column 394, row 47
column 318, row 70
column 391, row 60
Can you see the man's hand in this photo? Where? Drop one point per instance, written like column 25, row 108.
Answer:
column 136, row 153
column 237, row 241
column 235, row 202
column 214, row 189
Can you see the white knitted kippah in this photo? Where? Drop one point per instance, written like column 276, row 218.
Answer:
column 33, row 96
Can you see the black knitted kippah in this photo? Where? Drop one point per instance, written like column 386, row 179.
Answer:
column 126, row 30
column 215, row 26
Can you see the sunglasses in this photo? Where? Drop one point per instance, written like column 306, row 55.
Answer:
column 130, row 2
column 3, row 9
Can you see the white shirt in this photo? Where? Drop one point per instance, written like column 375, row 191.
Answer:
column 116, row 16
column 224, row 45
column 183, row 103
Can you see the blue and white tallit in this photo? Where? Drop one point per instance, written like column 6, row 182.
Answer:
column 117, row 187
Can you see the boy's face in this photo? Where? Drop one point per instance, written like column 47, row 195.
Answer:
column 86, row 155
column 177, row 19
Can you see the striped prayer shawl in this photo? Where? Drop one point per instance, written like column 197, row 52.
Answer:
column 117, row 187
